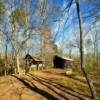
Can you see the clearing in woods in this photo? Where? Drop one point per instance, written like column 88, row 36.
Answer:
column 49, row 84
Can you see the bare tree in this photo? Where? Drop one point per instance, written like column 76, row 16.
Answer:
column 90, row 84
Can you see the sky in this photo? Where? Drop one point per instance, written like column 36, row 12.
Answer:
column 66, row 31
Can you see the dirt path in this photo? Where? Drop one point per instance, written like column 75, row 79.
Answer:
column 42, row 85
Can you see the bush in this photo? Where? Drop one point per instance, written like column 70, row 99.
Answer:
column 1, row 61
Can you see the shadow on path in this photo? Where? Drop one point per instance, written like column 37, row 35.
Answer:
column 36, row 89
column 65, row 89
column 64, row 74
column 47, row 85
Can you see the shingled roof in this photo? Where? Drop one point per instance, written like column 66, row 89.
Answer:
column 28, row 56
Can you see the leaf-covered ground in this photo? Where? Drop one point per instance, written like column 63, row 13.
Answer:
column 50, row 84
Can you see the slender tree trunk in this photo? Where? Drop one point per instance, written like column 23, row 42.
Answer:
column 13, row 59
column 90, row 84
column 18, row 63
column 94, row 55
column 96, row 46
column 70, row 53
column 42, row 50
column 6, row 58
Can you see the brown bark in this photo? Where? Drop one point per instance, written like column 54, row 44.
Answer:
column 90, row 84
column 18, row 63
column 6, row 50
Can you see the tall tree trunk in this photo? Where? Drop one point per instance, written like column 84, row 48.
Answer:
column 42, row 50
column 13, row 59
column 6, row 49
column 6, row 58
column 94, row 56
column 90, row 84
column 70, row 53
column 18, row 63
column 96, row 46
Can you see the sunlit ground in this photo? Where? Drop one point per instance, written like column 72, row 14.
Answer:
column 48, row 84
